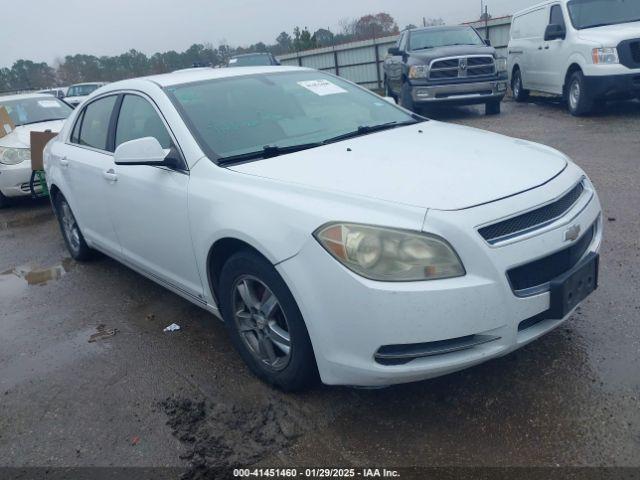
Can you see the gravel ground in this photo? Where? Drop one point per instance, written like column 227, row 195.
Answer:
column 139, row 397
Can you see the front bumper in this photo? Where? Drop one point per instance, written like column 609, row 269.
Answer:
column 612, row 87
column 350, row 318
column 460, row 93
column 14, row 179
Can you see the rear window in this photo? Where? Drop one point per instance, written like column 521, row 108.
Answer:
column 36, row 110
column 82, row 90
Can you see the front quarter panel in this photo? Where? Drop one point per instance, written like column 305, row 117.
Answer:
column 275, row 218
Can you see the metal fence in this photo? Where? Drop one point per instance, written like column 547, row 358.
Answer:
column 362, row 62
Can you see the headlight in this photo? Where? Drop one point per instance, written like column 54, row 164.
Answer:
column 14, row 156
column 390, row 255
column 418, row 71
column 501, row 64
column 607, row 55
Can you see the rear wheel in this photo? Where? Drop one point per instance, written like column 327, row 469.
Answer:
column 519, row 93
column 493, row 108
column 265, row 324
column 71, row 233
column 578, row 98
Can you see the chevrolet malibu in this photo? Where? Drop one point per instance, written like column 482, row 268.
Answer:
column 336, row 234
column 29, row 113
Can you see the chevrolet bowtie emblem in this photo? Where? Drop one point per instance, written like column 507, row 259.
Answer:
column 572, row 234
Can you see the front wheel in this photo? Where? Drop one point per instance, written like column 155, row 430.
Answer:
column 71, row 233
column 578, row 98
column 265, row 323
column 519, row 93
column 493, row 108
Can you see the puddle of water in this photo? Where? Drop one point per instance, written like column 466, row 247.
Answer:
column 14, row 282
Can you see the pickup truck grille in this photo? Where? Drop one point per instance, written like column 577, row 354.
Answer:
column 462, row 67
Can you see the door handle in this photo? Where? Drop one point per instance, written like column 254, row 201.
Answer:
column 64, row 162
column 540, row 48
column 110, row 175
column 547, row 47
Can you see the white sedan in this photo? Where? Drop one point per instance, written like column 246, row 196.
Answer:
column 335, row 233
column 29, row 113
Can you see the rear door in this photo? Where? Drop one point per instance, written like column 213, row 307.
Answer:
column 85, row 161
column 148, row 204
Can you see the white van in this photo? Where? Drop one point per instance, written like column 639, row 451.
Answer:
column 585, row 50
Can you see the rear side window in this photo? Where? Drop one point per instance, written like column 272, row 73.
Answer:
column 94, row 129
column 531, row 25
column 138, row 119
column 557, row 18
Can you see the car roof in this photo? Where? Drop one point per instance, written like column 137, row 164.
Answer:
column 87, row 83
column 439, row 27
column 24, row 96
column 537, row 6
column 254, row 54
column 203, row 74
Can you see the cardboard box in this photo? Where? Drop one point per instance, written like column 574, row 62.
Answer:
column 38, row 141
column 6, row 124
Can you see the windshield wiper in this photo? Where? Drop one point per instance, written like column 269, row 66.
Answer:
column 268, row 151
column 366, row 129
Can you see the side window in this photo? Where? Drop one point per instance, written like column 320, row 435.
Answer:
column 403, row 42
column 94, row 129
column 557, row 18
column 75, row 134
column 138, row 119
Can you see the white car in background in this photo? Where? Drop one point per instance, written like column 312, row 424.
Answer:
column 334, row 233
column 29, row 112
column 78, row 92
column 585, row 50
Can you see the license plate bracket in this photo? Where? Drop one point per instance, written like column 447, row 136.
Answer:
column 574, row 286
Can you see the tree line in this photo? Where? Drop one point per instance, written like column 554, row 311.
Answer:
column 29, row 75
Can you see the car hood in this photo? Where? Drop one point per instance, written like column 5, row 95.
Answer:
column 432, row 165
column 611, row 35
column 426, row 56
column 21, row 136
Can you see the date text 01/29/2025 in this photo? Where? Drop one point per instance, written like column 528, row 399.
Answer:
column 315, row 473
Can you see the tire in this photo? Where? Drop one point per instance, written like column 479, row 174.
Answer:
column 4, row 201
column 265, row 323
column 71, row 233
column 578, row 99
column 519, row 93
column 493, row 108
column 405, row 98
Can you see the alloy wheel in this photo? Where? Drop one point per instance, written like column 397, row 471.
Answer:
column 70, row 226
column 261, row 323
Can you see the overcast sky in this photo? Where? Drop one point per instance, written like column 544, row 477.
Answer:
column 43, row 30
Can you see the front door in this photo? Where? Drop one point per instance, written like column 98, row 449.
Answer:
column 149, row 205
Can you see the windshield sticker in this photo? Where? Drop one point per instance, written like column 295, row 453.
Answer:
column 48, row 103
column 322, row 87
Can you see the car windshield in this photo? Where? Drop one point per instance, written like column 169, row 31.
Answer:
column 598, row 13
column 82, row 90
column 243, row 114
column 442, row 37
column 35, row 110
column 250, row 61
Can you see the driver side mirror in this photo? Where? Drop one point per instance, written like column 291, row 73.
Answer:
column 145, row 151
column 554, row 32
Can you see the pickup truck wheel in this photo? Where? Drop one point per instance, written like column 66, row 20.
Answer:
column 519, row 93
column 492, row 108
column 578, row 99
column 406, row 101
column 265, row 323
column 71, row 233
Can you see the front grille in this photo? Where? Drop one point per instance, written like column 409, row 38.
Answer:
column 629, row 53
column 462, row 67
column 532, row 220
column 541, row 272
column 635, row 51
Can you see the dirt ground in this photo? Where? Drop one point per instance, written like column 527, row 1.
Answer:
column 136, row 396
